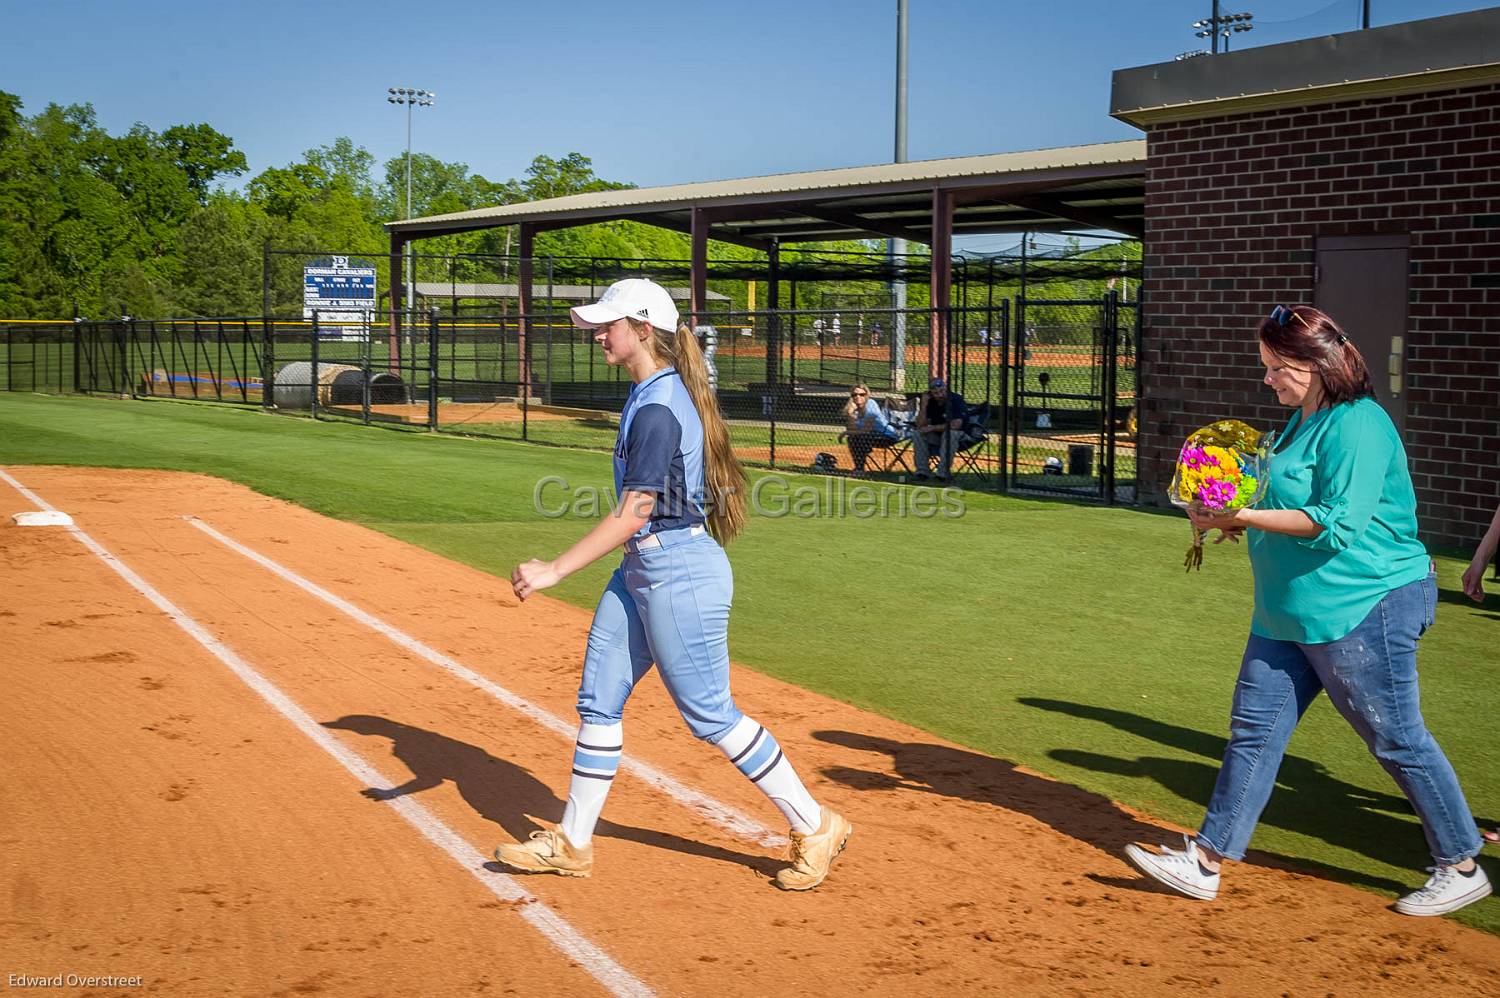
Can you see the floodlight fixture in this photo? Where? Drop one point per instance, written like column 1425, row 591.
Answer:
column 1219, row 25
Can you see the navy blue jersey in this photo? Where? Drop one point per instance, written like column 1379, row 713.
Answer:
column 660, row 450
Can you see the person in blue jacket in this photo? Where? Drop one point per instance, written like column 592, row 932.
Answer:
column 680, row 494
column 866, row 426
column 1343, row 591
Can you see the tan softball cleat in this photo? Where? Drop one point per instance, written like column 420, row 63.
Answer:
column 548, row 851
column 813, row 855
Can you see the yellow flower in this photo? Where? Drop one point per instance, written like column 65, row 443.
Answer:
column 1188, row 483
column 1227, row 461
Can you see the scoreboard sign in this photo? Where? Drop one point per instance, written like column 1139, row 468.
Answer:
column 342, row 295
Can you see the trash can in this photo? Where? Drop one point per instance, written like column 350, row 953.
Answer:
column 1081, row 460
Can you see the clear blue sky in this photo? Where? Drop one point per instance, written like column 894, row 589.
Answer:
column 655, row 91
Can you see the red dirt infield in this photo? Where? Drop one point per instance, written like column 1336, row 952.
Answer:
column 166, row 822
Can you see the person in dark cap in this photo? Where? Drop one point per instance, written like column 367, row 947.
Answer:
column 940, row 420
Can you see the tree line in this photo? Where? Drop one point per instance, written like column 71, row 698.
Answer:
column 145, row 223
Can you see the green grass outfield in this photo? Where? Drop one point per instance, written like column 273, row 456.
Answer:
column 1062, row 637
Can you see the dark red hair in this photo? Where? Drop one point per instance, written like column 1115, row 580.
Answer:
column 1311, row 340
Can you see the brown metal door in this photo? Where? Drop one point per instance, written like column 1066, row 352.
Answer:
column 1362, row 283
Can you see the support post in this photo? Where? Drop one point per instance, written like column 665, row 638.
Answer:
column 312, row 378
column 526, row 244
column 432, row 370
column 698, row 284
column 398, row 300
column 773, row 304
column 940, row 286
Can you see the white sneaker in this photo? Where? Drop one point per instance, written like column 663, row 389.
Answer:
column 1446, row 890
column 1182, row 871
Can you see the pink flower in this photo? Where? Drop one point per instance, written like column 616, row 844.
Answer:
column 1216, row 493
column 1197, row 457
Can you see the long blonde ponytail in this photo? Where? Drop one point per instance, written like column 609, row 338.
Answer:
column 723, row 476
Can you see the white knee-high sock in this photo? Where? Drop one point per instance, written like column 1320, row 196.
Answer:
column 755, row 753
column 596, row 757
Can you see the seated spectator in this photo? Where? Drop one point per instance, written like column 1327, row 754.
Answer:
column 867, row 426
column 940, row 423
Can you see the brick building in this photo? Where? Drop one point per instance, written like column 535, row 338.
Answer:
column 1358, row 172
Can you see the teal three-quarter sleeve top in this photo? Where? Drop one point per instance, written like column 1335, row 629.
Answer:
column 1345, row 468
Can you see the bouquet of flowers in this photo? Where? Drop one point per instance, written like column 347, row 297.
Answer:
column 1219, row 470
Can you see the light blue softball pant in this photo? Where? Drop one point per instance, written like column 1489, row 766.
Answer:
column 668, row 606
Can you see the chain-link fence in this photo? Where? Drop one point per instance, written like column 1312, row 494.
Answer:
column 1047, row 387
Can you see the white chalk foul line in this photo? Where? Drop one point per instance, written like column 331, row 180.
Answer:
column 615, row 978
column 719, row 813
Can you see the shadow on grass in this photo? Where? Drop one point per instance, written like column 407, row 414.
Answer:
column 1489, row 608
column 943, row 771
column 1077, row 813
column 1307, row 800
column 504, row 793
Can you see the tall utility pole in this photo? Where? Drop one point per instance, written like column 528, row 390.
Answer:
column 410, row 98
column 896, row 248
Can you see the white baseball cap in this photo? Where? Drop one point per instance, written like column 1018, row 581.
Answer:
column 635, row 298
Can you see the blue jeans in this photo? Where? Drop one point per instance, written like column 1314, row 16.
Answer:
column 669, row 607
column 1370, row 676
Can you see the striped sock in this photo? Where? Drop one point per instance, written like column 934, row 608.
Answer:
column 754, row 752
column 595, row 759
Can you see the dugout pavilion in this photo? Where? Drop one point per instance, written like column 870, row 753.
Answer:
column 1090, row 187
column 1356, row 171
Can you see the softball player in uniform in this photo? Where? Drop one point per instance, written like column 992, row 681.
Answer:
column 680, row 492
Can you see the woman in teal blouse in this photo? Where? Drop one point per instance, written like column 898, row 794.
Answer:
column 1343, row 592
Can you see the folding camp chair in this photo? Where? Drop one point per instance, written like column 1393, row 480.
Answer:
column 894, row 455
column 969, row 457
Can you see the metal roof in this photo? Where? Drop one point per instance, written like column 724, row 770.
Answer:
column 539, row 291
column 1437, row 53
column 1090, row 186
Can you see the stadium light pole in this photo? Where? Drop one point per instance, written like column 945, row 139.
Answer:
column 897, row 247
column 409, row 97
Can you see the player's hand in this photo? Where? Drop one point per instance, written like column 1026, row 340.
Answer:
column 1473, row 581
column 532, row 577
column 1232, row 534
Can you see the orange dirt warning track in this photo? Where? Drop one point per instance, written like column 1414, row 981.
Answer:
column 166, row 822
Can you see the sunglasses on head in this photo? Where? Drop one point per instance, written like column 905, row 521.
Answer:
column 1281, row 315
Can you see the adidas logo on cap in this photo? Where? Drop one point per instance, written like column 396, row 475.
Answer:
column 635, row 297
